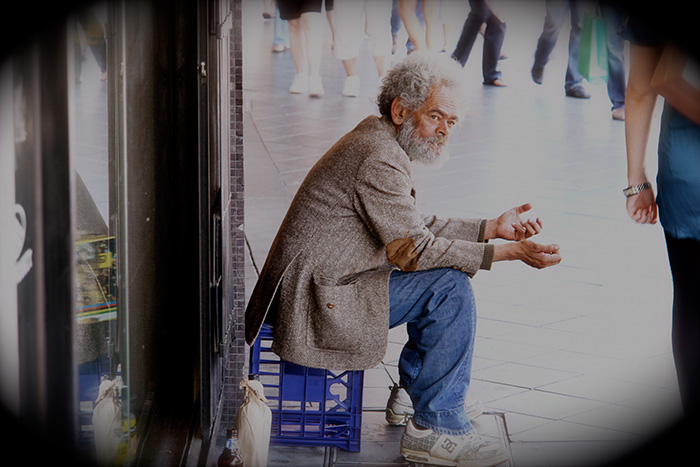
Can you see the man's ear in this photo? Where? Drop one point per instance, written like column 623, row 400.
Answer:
column 398, row 111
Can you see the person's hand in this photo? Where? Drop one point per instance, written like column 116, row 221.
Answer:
column 642, row 207
column 539, row 256
column 509, row 225
column 531, row 253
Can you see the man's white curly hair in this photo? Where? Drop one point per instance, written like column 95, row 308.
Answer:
column 414, row 77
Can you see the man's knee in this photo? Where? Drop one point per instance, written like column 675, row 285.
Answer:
column 458, row 286
column 456, row 298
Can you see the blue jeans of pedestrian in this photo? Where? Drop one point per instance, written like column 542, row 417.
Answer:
column 281, row 29
column 439, row 310
column 493, row 39
column 553, row 22
column 617, row 85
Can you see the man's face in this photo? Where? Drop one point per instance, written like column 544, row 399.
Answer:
column 425, row 132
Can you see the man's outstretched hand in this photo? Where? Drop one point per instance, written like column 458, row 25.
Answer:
column 538, row 256
column 509, row 225
column 531, row 253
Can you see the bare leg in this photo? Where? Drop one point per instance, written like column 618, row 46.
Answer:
column 312, row 27
column 434, row 35
column 297, row 44
column 330, row 15
column 380, row 61
column 350, row 66
column 407, row 10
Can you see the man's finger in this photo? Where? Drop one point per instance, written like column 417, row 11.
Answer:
column 549, row 249
column 524, row 208
column 534, row 227
column 518, row 231
column 550, row 258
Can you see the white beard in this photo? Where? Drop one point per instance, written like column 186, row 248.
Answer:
column 421, row 150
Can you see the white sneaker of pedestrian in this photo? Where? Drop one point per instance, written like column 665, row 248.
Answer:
column 351, row 88
column 399, row 408
column 300, row 85
column 469, row 450
column 316, row 86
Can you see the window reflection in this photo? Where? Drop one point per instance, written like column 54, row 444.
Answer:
column 103, row 397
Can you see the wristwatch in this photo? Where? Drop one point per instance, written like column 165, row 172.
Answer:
column 634, row 189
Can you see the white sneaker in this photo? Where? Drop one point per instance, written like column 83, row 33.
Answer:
column 300, row 85
column 351, row 88
column 426, row 446
column 399, row 408
column 316, row 86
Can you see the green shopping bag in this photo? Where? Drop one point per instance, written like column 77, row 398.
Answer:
column 593, row 51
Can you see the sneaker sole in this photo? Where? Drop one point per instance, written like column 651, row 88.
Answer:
column 421, row 457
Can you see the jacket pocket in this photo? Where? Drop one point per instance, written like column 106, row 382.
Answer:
column 333, row 318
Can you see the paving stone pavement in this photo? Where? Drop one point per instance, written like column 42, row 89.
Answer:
column 573, row 363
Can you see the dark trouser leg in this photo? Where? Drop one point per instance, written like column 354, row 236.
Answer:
column 684, row 257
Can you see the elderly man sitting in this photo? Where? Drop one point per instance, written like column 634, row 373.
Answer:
column 354, row 257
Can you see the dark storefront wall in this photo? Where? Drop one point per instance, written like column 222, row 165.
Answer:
column 128, row 195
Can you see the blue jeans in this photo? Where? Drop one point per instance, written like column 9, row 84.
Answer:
column 553, row 21
column 493, row 39
column 435, row 364
column 617, row 85
column 281, row 28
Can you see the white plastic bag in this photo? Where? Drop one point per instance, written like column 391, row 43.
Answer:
column 253, row 424
column 106, row 421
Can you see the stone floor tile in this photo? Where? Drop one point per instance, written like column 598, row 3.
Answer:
column 506, row 351
column 575, row 362
column 546, row 405
column 570, row 454
column 524, row 376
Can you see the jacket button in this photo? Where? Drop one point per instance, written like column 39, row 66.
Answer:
column 330, row 306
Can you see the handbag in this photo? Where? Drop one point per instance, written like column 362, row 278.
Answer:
column 593, row 50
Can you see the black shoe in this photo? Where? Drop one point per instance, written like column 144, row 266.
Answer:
column 537, row 73
column 578, row 92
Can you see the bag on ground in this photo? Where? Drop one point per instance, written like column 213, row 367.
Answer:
column 253, row 423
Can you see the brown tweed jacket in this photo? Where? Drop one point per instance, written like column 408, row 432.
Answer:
column 325, row 283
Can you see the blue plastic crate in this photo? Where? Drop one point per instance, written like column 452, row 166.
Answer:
column 310, row 406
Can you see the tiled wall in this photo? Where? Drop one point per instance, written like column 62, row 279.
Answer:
column 237, row 349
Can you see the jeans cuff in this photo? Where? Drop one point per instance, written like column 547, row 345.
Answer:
column 452, row 422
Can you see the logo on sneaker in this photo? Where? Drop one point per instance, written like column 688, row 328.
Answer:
column 449, row 445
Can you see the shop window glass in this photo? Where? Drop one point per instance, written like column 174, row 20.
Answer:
column 105, row 421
